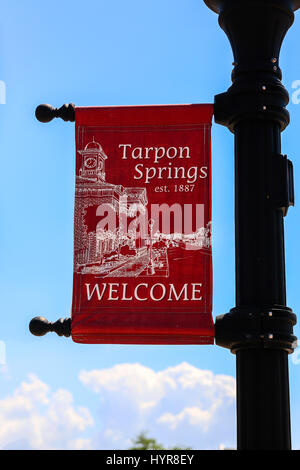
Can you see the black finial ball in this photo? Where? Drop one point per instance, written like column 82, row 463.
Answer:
column 45, row 113
column 39, row 326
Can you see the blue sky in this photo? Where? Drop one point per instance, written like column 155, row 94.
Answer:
column 112, row 53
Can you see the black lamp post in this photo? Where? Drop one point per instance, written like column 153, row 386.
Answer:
column 259, row 330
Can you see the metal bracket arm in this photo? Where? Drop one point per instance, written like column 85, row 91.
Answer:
column 247, row 327
column 252, row 100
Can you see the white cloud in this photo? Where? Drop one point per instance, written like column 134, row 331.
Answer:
column 35, row 418
column 190, row 416
column 179, row 405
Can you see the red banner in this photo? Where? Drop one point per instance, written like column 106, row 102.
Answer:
column 142, row 237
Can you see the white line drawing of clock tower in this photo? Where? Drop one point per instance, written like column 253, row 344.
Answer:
column 93, row 162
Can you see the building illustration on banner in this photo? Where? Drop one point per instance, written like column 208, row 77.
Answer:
column 122, row 252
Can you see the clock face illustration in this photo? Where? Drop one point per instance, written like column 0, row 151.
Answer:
column 90, row 162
